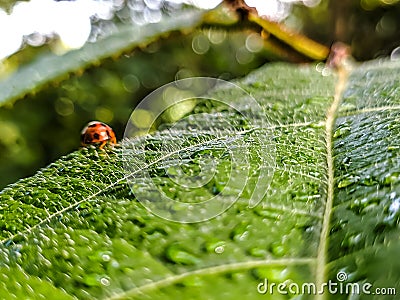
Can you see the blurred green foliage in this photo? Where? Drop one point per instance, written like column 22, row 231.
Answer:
column 370, row 27
column 37, row 130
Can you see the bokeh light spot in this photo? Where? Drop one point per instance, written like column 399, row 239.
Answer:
column 243, row 56
column 64, row 106
column 131, row 83
column 200, row 44
column 254, row 42
column 104, row 114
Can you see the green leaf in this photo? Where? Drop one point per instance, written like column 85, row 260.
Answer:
column 50, row 67
column 331, row 208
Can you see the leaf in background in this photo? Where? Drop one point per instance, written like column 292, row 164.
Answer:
column 50, row 67
column 332, row 204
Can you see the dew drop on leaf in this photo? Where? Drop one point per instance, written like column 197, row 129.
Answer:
column 355, row 239
column 346, row 107
column 346, row 181
column 105, row 281
column 391, row 178
column 277, row 249
column 193, row 281
column 268, row 213
column 310, row 229
column 215, row 246
column 96, row 280
column 219, row 249
column 393, row 148
column 342, row 132
column 279, row 274
column 176, row 254
column 258, row 252
column 240, row 232
column 368, row 181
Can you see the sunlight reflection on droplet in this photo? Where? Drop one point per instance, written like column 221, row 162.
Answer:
column 152, row 15
column 11, row 40
column 137, row 17
column 153, row 4
column 105, row 281
column 136, row 5
column 35, row 39
column 219, row 249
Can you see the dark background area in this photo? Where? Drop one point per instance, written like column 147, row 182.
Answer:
column 40, row 128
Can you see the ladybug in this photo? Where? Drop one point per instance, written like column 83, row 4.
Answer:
column 96, row 132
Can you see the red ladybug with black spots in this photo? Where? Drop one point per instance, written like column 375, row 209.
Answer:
column 96, row 132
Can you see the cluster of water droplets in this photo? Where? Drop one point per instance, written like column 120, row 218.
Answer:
column 201, row 163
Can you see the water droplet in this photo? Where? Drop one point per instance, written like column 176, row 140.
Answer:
column 258, row 252
column 393, row 209
column 65, row 254
column 346, row 107
column 395, row 206
column 212, row 247
column 352, row 240
column 277, row 249
column 193, row 281
column 152, row 15
column 105, row 281
column 393, row 148
column 349, row 180
column 309, row 229
column 341, row 224
column 342, row 131
column 219, row 249
column 279, row 274
column 391, row 178
column 106, row 257
column 94, row 279
column 180, row 256
column 115, row 264
column 269, row 213
column 317, row 125
column 368, row 181
column 153, row 4
column 240, row 232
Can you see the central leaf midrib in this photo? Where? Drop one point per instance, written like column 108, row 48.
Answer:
column 220, row 269
column 329, row 131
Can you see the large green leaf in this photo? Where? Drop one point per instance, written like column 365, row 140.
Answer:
column 49, row 67
column 76, row 228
